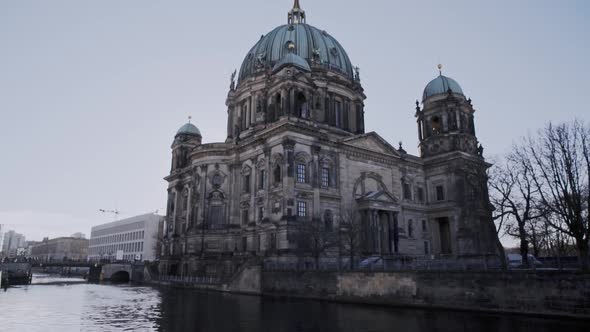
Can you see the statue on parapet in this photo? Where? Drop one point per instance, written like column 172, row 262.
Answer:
column 232, row 85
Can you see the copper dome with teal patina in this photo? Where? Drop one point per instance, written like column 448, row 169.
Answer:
column 441, row 85
column 188, row 129
column 315, row 46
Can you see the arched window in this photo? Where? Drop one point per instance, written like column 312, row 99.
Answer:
column 301, row 172
column 302, row 161
column 407, row 190
column 276, row 113
column 246, row 171
column 261, row 179
column 184, row 198
column 327, row 172
column 302, row 106
column 277, row 177
column 325, row 176
column 435, row 124
column 338, row 114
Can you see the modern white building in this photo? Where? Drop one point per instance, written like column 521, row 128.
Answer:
column 13, row 241
column 129, row 239
column 1, row 237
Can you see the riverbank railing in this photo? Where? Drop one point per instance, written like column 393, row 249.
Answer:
column 374, row 263
column 190, row 280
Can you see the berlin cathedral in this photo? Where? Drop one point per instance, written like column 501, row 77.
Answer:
column 297, row 151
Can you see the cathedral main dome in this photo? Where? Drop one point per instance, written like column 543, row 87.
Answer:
column 316, row 46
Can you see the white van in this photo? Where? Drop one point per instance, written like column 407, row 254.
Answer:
column 515, row 260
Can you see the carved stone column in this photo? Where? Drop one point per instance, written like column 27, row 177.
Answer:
column 189, row 206
column 395, row 233
column 175, row 211
column 234, row 195
column 203, row 217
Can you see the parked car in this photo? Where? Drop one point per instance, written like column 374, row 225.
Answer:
column 372, row 262
column 515, row 260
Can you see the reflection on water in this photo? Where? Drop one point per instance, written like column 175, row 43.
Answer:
column 51, row 304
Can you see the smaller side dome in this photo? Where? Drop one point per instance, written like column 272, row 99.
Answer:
column 189, row 129
column 441, row 85
column 291, row 59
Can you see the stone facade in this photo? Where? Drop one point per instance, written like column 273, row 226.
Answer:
column 297, row 152
column 60, row 249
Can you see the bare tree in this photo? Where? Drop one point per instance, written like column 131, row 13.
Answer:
column 515, row 198
column 350, row 234
column 315, row 238
column 559, row 160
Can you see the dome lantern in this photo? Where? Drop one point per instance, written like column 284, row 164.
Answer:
column 296, row 15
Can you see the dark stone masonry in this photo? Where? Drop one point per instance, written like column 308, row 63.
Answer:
column 546, row 293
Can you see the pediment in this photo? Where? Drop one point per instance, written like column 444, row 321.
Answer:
column 371, row 141
column 380, row 196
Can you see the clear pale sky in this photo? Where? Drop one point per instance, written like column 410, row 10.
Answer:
column 92, row 92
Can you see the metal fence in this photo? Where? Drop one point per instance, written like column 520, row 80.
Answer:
column 414, row 263
column 190, row 280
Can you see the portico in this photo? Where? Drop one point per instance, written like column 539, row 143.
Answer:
column 379, row 216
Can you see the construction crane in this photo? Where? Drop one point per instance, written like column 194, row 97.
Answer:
column 115, row 213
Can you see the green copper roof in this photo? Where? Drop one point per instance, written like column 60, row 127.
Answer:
column 188, row 129
column 291, row 59
column 441, row 85
column 304, row 40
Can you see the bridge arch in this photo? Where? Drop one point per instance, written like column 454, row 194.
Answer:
column 117, row 272
column 120, row 276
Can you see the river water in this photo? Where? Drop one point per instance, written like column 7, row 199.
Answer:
column 61, row 304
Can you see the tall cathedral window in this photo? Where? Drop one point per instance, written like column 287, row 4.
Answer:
column 435, row 123
column 277, row 174
column 301, row 173
column 302, row 106
column 215, row 215
column 420, row 194
column 261, row 179
column 338, row 113
column 325, row 177
column 301, row 209
column 246, row 183
column 245, row 216
column 407, row 191
column 440, row 193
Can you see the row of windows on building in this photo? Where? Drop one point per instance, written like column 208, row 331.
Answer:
column 341, row 117
column 302, row 176
column 113, row 248
column 419, row 195
column 302, row 212
column 123, row 237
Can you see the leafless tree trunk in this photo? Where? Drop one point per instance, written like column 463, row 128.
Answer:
column 350, row 234
column 314, row 239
